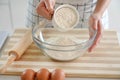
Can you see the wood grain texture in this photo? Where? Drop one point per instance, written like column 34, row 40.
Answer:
column 103, row 62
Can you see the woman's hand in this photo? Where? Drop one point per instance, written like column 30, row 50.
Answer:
column 46, row 8
column 95, row 24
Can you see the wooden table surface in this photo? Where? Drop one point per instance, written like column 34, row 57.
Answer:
column 103, row 62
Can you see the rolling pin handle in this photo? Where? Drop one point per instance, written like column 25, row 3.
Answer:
column 10, row 59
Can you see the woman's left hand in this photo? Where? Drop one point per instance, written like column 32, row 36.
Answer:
column 95, row 24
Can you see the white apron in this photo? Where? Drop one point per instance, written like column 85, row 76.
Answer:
column 85, row 8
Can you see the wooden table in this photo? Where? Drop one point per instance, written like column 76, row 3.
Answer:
column 103, row 62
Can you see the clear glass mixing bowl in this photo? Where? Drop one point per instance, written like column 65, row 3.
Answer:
column 61, row 46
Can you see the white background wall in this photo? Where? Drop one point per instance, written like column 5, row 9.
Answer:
column 114, row 14
column 18, row 10
column 12, row 14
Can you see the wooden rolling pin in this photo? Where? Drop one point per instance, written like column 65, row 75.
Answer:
column 17, row 51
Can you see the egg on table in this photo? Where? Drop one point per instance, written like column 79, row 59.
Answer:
column 28, row 74
column 58, row 74
column 43, row 74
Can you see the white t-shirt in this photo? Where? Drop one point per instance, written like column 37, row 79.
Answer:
column 85, row 8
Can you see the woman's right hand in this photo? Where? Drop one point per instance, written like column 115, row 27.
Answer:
column 46, row 8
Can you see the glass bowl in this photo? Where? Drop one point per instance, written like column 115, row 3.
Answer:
column 61, row 46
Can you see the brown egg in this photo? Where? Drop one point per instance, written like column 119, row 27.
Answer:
column 43, row 74
column 28, row 74
column 58, row 74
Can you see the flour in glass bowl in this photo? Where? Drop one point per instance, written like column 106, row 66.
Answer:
column 62, row 55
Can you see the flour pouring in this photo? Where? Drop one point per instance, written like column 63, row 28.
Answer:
column 65, row 17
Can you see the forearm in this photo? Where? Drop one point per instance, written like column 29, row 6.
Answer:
column 100, row 8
